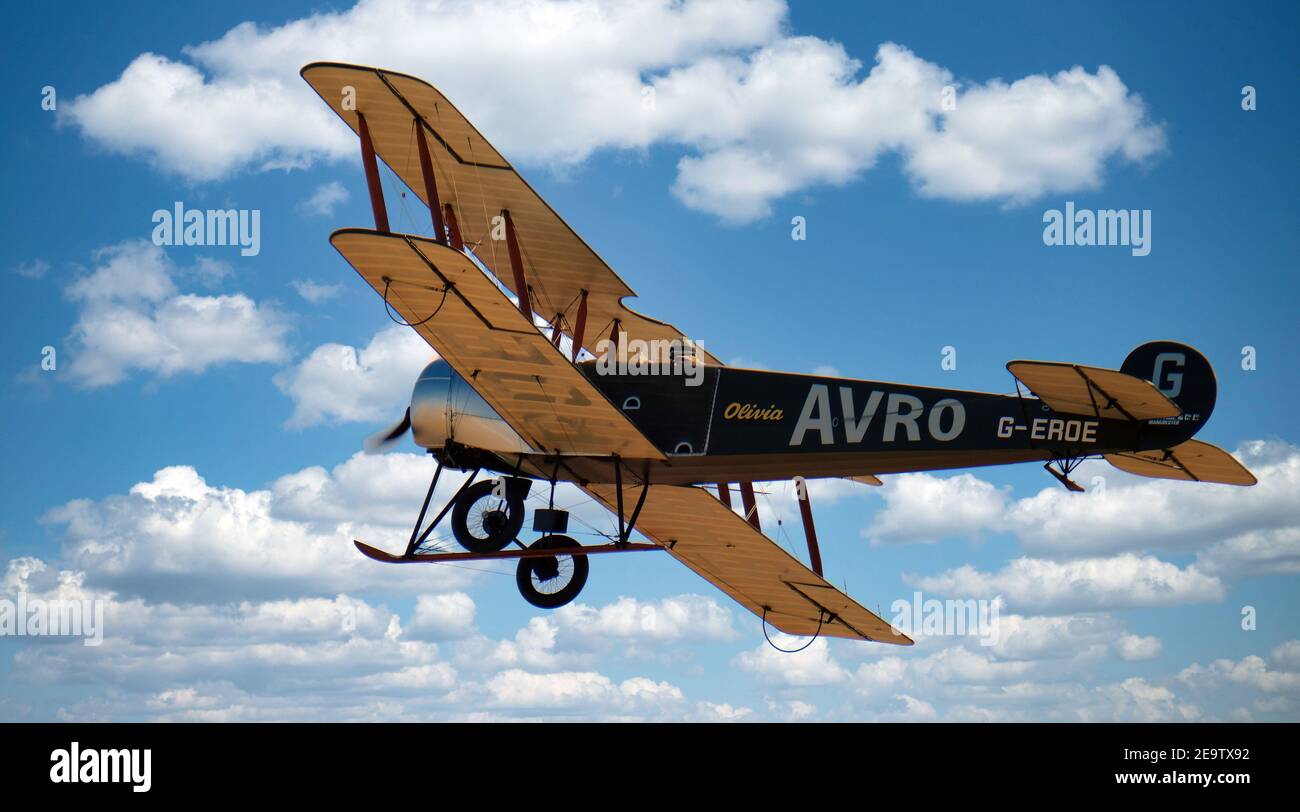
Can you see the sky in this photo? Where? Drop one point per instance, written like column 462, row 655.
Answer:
column 192, row 458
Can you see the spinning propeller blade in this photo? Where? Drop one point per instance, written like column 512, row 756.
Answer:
column 381, row 440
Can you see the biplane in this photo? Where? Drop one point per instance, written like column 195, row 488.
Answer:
column 524, row 317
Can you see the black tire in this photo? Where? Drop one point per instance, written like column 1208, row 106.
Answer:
column 549, row 582
column 484, row 523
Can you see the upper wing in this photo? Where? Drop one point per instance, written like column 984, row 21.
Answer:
column 522, row 376
column 1077, row 389
column 1190, row 460
column 722, row 547
column 479, row 183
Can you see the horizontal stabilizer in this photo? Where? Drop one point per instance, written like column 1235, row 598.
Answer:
column 1193, row 461
column 1105, row 393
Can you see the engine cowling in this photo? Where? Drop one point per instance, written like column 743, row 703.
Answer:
column 444, row 407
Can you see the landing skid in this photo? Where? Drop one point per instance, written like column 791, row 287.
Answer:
column 528, row 552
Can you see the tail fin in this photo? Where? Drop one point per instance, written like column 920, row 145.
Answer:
column 1181, row 374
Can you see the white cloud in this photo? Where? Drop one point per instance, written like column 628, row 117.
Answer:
column 760, row 113
column 581, row 690
column 683, row 617
column 439, row 617
column 1010, row 682
column 1251, row 671
column 926, row 508
column 1137, row 647
column 176, row 537
column 813, row 665
column 1236, row 532
column 315, row 292
column 1038, row 135
column 337, row 383
column 34, row 269
column 1240, row 530
column 131, row 317
column 1089, row 584
column 325, row 198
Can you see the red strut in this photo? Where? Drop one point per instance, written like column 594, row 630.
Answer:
column 810, row 532
column 751, row 507
column 580, row 329
column 517, row 263
column 724, row 494
column 372, row 175
column 453, row 228
column 430, row 186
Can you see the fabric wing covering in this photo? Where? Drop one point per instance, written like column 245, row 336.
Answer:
column 1105, row 393
column 480, row 184
column 1192, row 460
column 719, row 545
column 484, row 337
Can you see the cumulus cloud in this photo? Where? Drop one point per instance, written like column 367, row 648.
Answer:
column 957, row 682
column 1137, row 647
column 814, row 665
column 439, row 617
column 324, row 199
column 759, row 112
column 131, row 316
column 683, row 617
column 926, row 508
column 1088, row 584
column 1235, row 532
column 338, row 383
column 1252, row 671
column 315, row 292
column 176, row 537
column 1255, row 526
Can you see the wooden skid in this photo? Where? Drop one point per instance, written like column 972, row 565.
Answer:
column 433, row 558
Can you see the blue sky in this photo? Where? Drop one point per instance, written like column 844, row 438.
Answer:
column 223, row 593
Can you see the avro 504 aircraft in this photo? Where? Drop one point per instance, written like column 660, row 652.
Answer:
column 661, row 451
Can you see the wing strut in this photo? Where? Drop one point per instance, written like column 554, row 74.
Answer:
column 580, row 329
column 751, row 507
column 517, row 264
column 430, row 185
column 372, row 175
column 809, row 531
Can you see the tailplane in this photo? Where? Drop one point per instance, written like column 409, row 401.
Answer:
column 1193, row 461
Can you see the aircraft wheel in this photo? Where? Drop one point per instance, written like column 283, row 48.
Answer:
column 549, row 582
column 483, row 522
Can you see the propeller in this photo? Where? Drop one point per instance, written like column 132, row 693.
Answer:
column 382, row 440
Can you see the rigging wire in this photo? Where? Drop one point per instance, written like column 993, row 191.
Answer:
column 821, row 618
column 389, row 308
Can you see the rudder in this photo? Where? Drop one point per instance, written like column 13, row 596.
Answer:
column 1181, row 374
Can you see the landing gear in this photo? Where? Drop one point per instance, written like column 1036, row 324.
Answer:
column 486, row 517
column 484, row 522
column 1066, row 467
column 549, row 582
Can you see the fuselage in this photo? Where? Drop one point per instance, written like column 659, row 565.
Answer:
column 727, row 424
